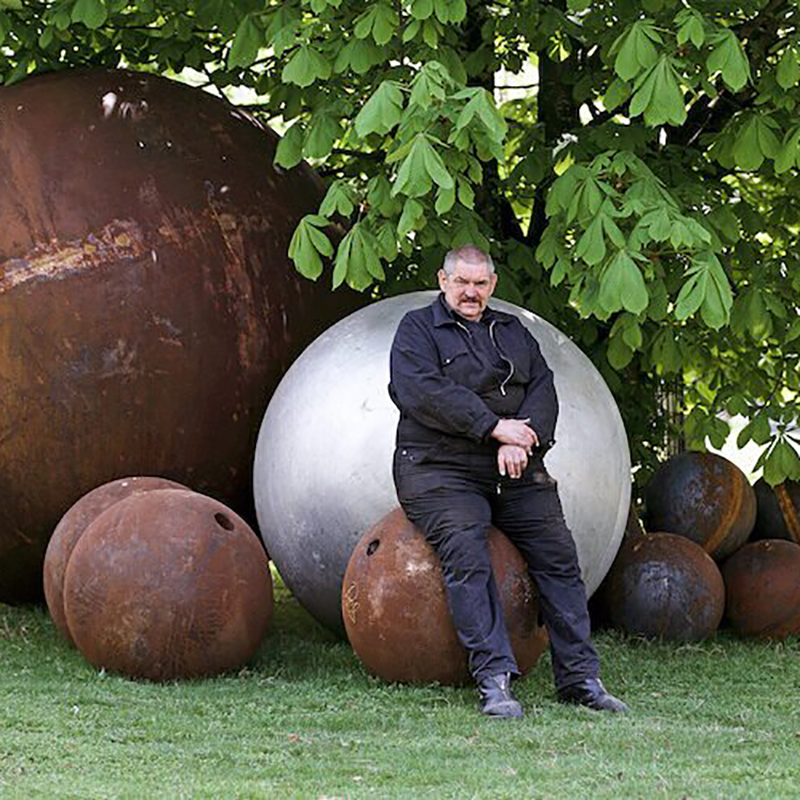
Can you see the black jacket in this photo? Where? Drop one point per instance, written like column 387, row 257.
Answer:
column 450, row 399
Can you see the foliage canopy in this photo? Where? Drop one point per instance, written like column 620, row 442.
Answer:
column 640, row 190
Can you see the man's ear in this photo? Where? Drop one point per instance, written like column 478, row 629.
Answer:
column 493, row 282
column 442, row 278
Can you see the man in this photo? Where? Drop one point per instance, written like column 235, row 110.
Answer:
column 478, row 412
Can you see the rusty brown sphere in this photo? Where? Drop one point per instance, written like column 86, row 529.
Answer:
column 705, row 498
column 665, row 586
column 778, row 511
column 168, row 584
column 148, row 307
column 762, row 588
column 71, row 528
column 395, row 610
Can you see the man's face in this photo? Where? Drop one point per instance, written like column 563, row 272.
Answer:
column 468, row 289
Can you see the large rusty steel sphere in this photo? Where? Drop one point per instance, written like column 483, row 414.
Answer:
column 168, row 584
column 147, row 304
column 71, row 528
column 323, row 477
column 778, row 511
column 665, row 586
column 762, row 589
column 395, row 609
column 704, row 497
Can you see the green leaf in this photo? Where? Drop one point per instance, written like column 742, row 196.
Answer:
column 619, row 354
column 635, row 49
column 325, row 130
column 307, row 243
column 357, row 260
column 793, row 332
column 616, row 94
column 380, row 20
column 788, row 69
column 592, row 246
column 782, row 464
column 658, row 95
column 481, row 105
column 421, row 166
column 665, row 351
column 755, row 141
column 421, row 9
column 247, row 42
column 430, row 84
column 339, row 199
column 410, row 219
column 382, row 111
column 729, row 58
column 290, row 148
column 92, row 13
column 691, row 28
column 622, row 285
column 445, row 200
column 306, row 66
column 12, row 5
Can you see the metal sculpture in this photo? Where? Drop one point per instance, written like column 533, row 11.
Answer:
column 395, row 610
column 704, row 497
column 778, row 511
column 322, row 473
column 762, row 589
column 168, row 584
column 71, row 528
column 665, row 586
column 147, row 304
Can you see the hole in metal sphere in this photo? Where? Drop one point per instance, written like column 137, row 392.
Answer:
column 223, row 521
column 373, row 546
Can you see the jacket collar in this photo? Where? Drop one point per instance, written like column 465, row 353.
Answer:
column 444, row 315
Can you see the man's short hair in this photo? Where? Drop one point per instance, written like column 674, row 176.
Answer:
column 469, row 253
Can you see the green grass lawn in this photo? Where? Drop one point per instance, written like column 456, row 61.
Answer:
column 305, row 720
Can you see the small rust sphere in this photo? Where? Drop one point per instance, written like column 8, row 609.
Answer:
column 665, row 586
column 705, row 498
column 395, row 609
column 762, row 589
column 168, row 584
column 778, row 513
column 71, row 528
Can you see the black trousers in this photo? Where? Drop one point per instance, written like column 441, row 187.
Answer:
column 454, row 506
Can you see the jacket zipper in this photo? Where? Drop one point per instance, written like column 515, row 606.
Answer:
column 502, row 355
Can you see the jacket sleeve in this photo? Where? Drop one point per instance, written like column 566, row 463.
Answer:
column 541, row 401
column 419, row 388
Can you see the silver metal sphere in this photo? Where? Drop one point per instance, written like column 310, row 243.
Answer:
column 323, row 464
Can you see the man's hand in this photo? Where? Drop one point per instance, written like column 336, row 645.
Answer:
column 516, row 432
column 511, row 460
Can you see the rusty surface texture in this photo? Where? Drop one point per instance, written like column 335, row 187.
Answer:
column 71, row 528
column 665, row 586
column 395, row 610
column 762, row 587
column 168, row 584
column 778, row 514
column 704, row 497
column 148, row 308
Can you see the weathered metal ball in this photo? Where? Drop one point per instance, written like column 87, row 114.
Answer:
column 777, row 512
column 147, row 304
column 168, row 584
column 665, row 586
column 762, row 589
column 395, row 609
column 71, row 528
column 704, row 497
column 323, row 461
